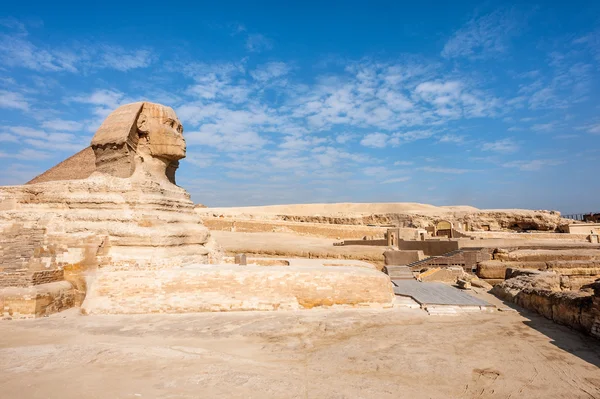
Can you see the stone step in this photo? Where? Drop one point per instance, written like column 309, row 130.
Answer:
column 399, row 273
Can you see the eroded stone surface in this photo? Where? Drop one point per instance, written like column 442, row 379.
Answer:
column 206, row 288
column 542, row 292
column 128, row 214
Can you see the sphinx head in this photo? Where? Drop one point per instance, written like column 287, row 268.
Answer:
column 136, row 133
column 160, row 132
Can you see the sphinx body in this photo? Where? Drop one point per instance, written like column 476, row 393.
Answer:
column 127, row 214
column 108, row 229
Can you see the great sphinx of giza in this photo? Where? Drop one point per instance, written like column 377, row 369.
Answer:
column 110, row 230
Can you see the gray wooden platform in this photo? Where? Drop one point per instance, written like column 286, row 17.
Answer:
column 436, row 294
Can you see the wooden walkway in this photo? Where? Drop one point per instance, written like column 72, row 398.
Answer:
column 436, row 294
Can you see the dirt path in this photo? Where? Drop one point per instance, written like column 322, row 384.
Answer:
column 310, row 354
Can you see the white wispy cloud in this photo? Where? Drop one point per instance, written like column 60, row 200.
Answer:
column 43, row 140
column 594, row 129
column 62, row 125
column 18, row 51
column 375, row 140
column 13, row 100
column 532, row 165
column 270, row 71
column 503, row 146
column 483, row 36
column 25, row 131
column 544, row 127
column 344, row 138
column 10, row 138
column 27, row 154
column 256, row 43
column 455, row 171
column 451, row 138
column 104, row 101
column 116, row 57
column 396, row 180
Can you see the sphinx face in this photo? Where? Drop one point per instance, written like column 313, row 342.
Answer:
column 163, row 130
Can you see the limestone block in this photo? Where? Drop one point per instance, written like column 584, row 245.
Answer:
column 37, row 301
column 539, row 291
column 445, row 274
column 240, row 259
column 404, row 257
column 205, row 288
column 497, row 269
column 463, row 284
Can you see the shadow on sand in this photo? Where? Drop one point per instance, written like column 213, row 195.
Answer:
column 572, row 341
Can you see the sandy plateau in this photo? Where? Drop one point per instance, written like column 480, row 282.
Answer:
column 396, row 353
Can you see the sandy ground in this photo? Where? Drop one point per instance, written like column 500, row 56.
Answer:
column 287, row 244
column 396, row 353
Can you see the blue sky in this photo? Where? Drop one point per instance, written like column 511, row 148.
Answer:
column 488, row 104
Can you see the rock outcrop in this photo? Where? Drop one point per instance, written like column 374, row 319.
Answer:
column 397, row 214
column 575, row 267
column 541, row 292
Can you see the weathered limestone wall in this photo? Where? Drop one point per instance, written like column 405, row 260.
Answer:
column 208, row 288
column 541, row 292
column 102, row 220
column 543, row 255
column 36, row 301
column 370, row 243
column 400, row 258
column 583, row 228
column 533, row 236
column 576, row 268
column 429, row 247
column 308, row 229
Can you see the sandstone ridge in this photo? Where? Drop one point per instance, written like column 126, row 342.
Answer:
column 396, row 214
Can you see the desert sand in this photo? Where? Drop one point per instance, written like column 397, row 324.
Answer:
column 397, row 353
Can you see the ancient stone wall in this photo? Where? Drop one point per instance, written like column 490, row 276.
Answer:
column 429, row 247
column 26, row 259
column 368, row 242
column 401, row 258
column 542, row 293
column 308, row 229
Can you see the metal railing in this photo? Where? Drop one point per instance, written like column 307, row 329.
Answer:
column 584, row 217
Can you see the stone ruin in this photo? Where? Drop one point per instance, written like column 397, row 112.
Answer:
column 113, row 233
column 544, row 292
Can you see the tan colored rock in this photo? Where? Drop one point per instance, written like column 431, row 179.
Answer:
column 496, row 269
column 128, row 214
column 543, row 293
column 477, row 282
column 545, row 255
column 209, row 288
column 443, row 274
column 398, row 214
